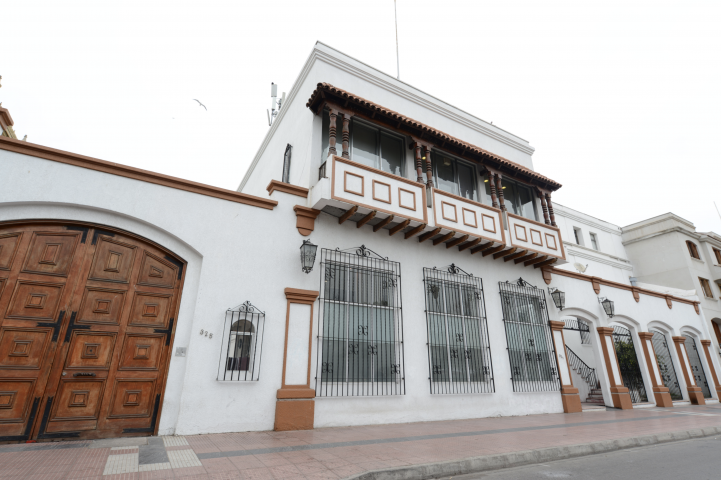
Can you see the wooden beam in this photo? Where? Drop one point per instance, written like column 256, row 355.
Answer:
column 481, row 248
column 456, row 241
column 416, row 230
column 348, row 214
column 493, row 250
column 427, row 235
column 515, row 255
column 504, row 253
column 398, row 227
column 366, row 219
column 535, row 260
column 470, row 244
column 383, row 223
column 525, row 258
column 445, row 237
column 546, row 263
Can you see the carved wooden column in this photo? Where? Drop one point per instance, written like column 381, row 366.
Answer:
column 545, row 208
column 419, row 165
column 499, row 191
column 492, row 183
column 346, row 136
column 660, row 393
column 295, row 405
column 569, row 393
column 706, row 348
column 429, row 168
column 332, row 132
column 550, row 209
column 695, row 394
column 619, row 393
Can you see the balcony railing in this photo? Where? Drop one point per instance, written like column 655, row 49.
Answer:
column 377, row 195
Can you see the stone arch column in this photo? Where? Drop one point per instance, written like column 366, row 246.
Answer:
column 694, row 392
column 660, row 392
column 619, row 393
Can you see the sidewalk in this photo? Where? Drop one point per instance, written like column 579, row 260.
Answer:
column 332, row 453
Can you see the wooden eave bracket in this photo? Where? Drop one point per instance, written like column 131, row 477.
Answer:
column 275, row 185
column 415, row 231
column 456, row 241
column 349, row 213
column 504, row 253
column 398, row 227
column 493, row 250
column 305, row 219
column 470, row 244
column 383, row 223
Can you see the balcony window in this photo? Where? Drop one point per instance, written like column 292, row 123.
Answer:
column 706, row 287
column 717, row 254
column 518, row 198
column 454, row 176
column 594, row 241
column 369, row 145
column 693, row 250
column 578, row 235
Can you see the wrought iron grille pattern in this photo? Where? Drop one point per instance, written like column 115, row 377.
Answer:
column 579, row 326
column 459, row 353
column 528, row 334
column 360, row 341
column 586, row 372
column 697, row 367
column 241, row 349
column 628, row 363
column 665, row 365
column 321, row 171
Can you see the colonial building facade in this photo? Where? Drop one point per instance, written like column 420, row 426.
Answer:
column 387, row 258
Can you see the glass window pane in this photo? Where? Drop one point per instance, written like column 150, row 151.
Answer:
column 391, row 154
column 525, row 197
column 445, row 180
column 364, row 145
column 466, row 181
column 509, row 194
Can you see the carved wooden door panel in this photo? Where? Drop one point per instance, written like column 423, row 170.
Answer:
column 102, row 367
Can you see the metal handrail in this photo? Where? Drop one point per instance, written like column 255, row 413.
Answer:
column 588, row 373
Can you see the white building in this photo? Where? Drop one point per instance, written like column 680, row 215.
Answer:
column 137, row 303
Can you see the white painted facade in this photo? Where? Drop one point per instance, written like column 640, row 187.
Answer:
column 237, row 253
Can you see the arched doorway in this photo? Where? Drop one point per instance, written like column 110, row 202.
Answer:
column 87, row 316
column 628, row 364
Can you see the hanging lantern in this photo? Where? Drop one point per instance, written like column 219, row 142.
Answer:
column 607, row 306
column 559, row 297
column 307, row 255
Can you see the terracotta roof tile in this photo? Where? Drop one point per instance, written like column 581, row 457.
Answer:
column 316, row 99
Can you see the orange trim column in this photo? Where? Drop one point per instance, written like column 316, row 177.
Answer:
column 694, row 393
column 660, row 393
column 569, row 394
column 619, row 393
column 706, row 348
column 295, row 407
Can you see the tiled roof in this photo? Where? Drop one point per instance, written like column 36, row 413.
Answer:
column 491, row 159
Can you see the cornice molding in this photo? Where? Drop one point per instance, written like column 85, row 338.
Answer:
column 60, row 156
column 660, row 219
column 694, row 235
column 297, row 295
column 571, row 249
column 275, row 185
column 561, row 213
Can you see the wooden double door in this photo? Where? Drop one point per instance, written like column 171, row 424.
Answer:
column 87, row 316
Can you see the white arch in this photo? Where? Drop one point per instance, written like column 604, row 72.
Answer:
column 661, row 326
column 626, row 321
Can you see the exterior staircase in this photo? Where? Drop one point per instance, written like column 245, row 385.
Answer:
column 588, row 374
column 595, row 397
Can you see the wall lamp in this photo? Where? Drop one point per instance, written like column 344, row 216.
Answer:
column 307, row 255
column 607, row 306
column 559, row 297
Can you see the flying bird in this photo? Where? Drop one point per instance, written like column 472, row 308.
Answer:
column 206, row 109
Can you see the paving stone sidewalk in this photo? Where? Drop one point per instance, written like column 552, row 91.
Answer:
column 332, row 453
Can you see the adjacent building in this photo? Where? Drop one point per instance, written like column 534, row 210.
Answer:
column 387, row 258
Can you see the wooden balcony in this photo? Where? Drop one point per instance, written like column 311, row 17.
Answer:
column 467, row 217
column 535, row 237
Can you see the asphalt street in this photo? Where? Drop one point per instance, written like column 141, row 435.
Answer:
column 698, row 459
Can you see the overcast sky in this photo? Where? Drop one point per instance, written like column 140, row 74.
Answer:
column 621, row 99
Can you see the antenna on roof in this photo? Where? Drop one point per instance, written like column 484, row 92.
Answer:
column 398, row 62
column 275, row 103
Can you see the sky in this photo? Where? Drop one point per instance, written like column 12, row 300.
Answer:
column 620, row 99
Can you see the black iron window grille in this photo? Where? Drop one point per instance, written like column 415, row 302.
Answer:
column 286, row 163
column 665, row 365
column 628, row 363
column 360, row 341
column 581, row 327
column 321, row 171
column 694, row 361
column 528, row 334
column 459, row 353
column 242, row 345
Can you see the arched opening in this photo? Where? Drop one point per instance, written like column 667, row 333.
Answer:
column 628, row 364
column 693, row 350
column 582, row 358
column 716, row 324
column 665, row 364
column 241, row 345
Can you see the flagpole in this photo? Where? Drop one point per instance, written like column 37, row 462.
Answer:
column 398, row 62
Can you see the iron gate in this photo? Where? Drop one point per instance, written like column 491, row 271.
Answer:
column 665, row 365
column 697, row 367
column 628, row 364
column 530, row 345
column 581, row 327
column 459, row 352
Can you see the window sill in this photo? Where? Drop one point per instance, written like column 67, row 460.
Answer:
column 697, row 260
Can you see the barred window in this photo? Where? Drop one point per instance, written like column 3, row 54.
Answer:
column 530, row 345
column 240, row 355
column 360, row 345
column 459, row 352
